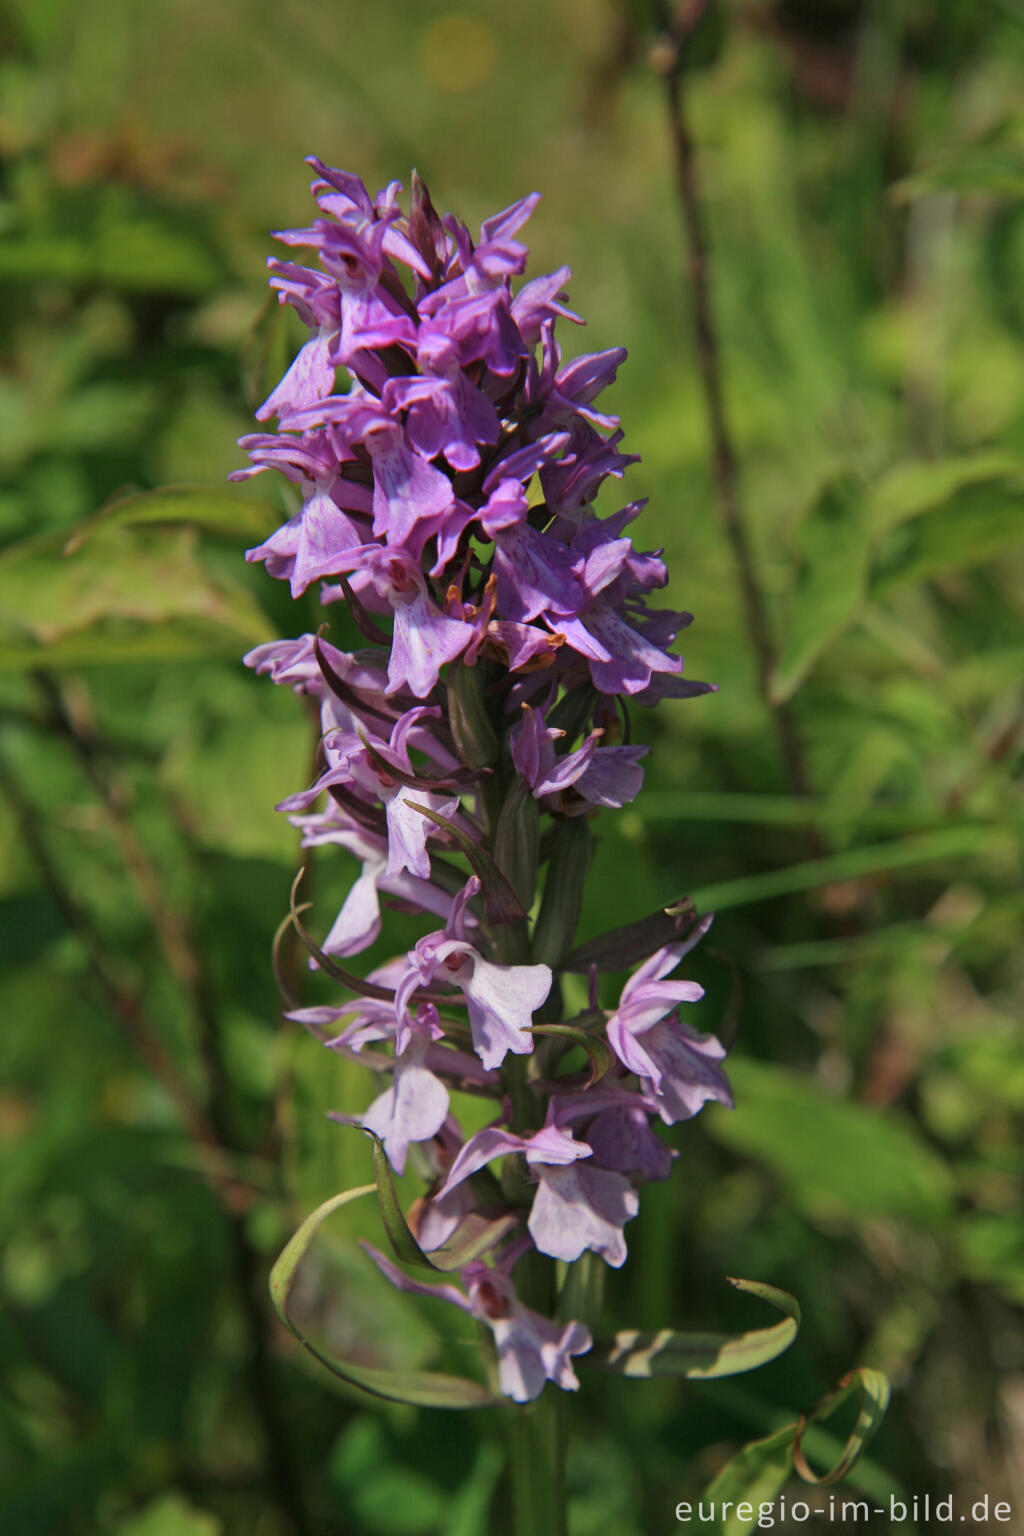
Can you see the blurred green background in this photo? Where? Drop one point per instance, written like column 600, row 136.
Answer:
column 162, row 1133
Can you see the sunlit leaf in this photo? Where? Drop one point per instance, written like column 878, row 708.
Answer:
column 756, row 1475
column 425, row 1389
column 873, row 1390
column 211, row 508
column 839, row 1160
column 858, row 542
column 976, row 523
column 170, row 1514
column 501, row 903
column 701, row 1355
column 955, row 843
column 124, row 594
column 829, row 582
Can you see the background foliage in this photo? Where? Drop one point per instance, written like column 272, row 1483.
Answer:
column 863, row 174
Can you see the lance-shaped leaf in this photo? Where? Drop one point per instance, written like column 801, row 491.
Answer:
column 756, row 1475
column 400, row 1234
column 830, row 580
column 501, row 904
column 277, row 959
column 344, row 691
column 873, row 1389
column 143, row 592
column 456, row 780
column 212, row 509
column 621, row 948
column 599, row 1051
column 337, row 973
column 361, row 616
column 702, row 1355
column 424, row 1389
column 472, row 1237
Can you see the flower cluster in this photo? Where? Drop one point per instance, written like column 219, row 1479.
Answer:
column 448, row 481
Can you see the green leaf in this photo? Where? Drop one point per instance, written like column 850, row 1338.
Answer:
column 424, row 1389
column 939, row 847
column 624, row 947
column 701, row 1355
column 854, row 543
column 125, row 595
column 992, row 164
column 400, row 1235
column 501, row 904
column 873, row 1389
column 828, row 586
column 756, row 1475
column 839, row 1160
column 473, row 1237
column 973, row 525
column 211, row 508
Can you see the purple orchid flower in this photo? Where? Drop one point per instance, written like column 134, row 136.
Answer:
column 449, row 463
column 531, row 1349
column 609, row 776
column 577, row 1205
column 501, row 999
column 679, row 1064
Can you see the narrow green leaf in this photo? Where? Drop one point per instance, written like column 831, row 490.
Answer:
column 702, row 1355
column 976, row 523
column 331, row 968
column 124, row 590
column 756, row 1475
column 425, row 1389
column 282, row 1275
column 873, row 1389
column 829, row 581
column 559, row 915
column 788, row 810
column 400, row 1235
column 938, row 847
column 472, row 1238
column 211, row 508
column 621, row 948
column 501, row 904
column 839, row 1160
column 992, row 164
column 927, row 516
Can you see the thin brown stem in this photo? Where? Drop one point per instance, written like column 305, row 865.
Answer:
column 667, row 57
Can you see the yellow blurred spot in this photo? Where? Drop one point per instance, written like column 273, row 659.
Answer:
column 458, row 52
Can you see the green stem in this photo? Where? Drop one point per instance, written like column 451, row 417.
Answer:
column 537, row 1466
